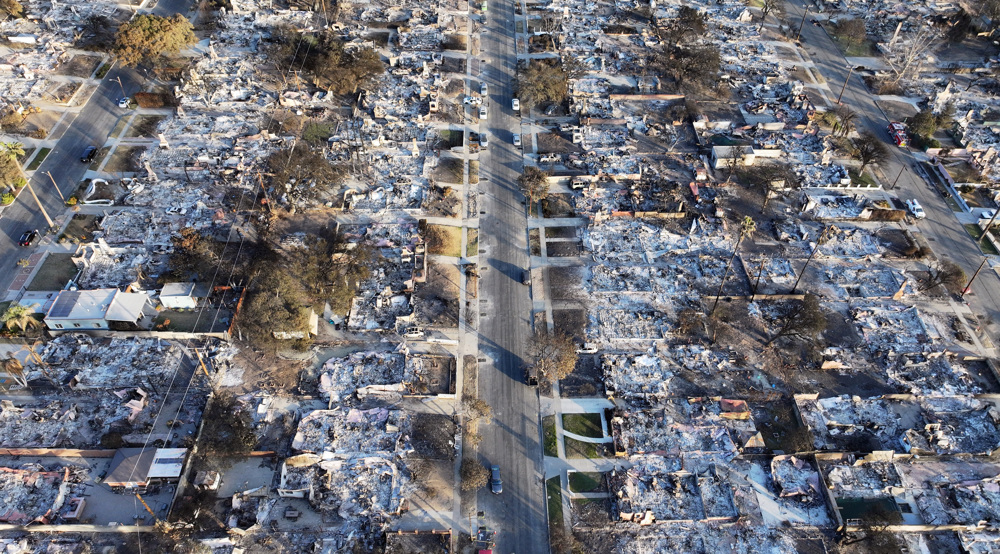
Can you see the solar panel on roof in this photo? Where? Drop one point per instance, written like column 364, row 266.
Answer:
column 64, row 304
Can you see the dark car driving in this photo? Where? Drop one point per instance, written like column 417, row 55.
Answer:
column 496, row 485
column 27, row 237
column 88, row 154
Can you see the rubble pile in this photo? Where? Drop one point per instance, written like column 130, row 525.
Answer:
column 31, row 494
column 341, row 377
column 84, row 362
column 349, row 431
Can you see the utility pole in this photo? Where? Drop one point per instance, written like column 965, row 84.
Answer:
column 819, row 241
column 968, row 287
column 40, row 208
column 896, row 180
column 49, row 173
column 119, row 79
column 805, row 12
column 850, row 70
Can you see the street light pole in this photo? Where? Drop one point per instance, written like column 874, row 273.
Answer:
column 40, row 208
column 119, row 79
column 896, row 180
column 847, row 80
column 805, row 12
column 49, row 173
column 968, row 287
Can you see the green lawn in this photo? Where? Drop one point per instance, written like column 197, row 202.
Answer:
column 553, row 493
column 861, row 180
column 55, row 272
column 549, row 432
column 580, row 449
column 587, row 425
column 583, row 481
column 975, row 232
column 39, row 159
column 452, row 137
column 472, row 243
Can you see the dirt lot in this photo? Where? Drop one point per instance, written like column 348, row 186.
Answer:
column 437, row 299
column 426, row 543
column 449, row 170
column 586, row 379
column 79, row 66
column 555, row 143
column 444, row 240
column 560, row 232
column 433, row 436
column 572, row 322
column 591, row 511
column 558, row 205
column 563, row 249
column 453, row 65
column 125, row 159
column 143, row 125
column 81, row 227
column 565, row 283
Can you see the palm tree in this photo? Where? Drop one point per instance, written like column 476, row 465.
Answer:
column 13, row 367
column 747, row 228
column 12, row 150
column 35, row 356
column 21, row 316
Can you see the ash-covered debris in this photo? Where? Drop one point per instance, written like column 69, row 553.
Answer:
column 82, row 362
column 32, row 493
column 350, row 431
column 342, row 377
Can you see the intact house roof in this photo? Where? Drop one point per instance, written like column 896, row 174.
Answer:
column 97, row 304
column 135, row 467
column 178, row 289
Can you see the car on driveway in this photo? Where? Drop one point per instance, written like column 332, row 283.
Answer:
column 28, row 237
column 88, row 154
column 123, row 102
column 496, row 484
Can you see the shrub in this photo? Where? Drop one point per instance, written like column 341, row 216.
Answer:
column 71, row 201
column 6, row 199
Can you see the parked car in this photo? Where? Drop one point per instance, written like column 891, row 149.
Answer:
column 28, row 237
column 123, row 102
column 496, row 484
column 526, row 277
column 88, row 154
column 484, row 142
column 516, row 104
column 915, row 208
column 987, row 214
column 482, row 112
column 484, row 89
column 517, row 139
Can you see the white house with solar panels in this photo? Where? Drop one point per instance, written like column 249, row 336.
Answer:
column 90, row 310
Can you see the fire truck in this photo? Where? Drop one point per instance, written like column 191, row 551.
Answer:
column 898, row 133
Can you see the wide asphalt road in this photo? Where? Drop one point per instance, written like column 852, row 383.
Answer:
column 512, row 440
column 93, row 124
column 942, row 230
